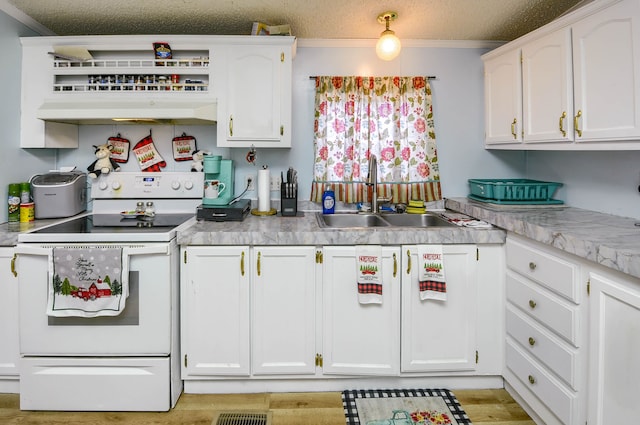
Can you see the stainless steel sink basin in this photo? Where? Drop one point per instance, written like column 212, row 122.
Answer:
column 416, row 220
column 358, row 220
column 350, row 220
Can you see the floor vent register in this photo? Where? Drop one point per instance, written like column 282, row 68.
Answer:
column 242, row 418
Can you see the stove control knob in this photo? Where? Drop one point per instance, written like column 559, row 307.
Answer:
column 175, row 185
column 115, row 185
column 103, row 185
column 188, row 184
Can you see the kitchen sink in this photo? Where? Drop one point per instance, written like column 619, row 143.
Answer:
column 415, row 220
column 359, row 220
column 349, row 220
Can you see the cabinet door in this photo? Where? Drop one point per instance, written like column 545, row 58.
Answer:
column 256, row 107
column 360, row 339
column 9, row 348
column 614, row 369
column 503, row 99
column 547, row 87
column 606, row 60
column 440, row 335
column 215, row 311
column 283, row 310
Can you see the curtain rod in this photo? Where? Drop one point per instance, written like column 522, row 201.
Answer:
column 429, row 77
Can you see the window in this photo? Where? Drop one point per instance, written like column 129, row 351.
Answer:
column 390, row 117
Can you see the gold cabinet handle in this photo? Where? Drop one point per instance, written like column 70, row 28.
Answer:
column 532, row 265
column 395, row 265
column 242, row 263
column 575, row 123
column 532, row 380
column 259, row 254
column 532, row 304
column 408, row 261
column 230, row 125
column 532, row 341
column 13, row 265
column 513, row 128
column 561, row 124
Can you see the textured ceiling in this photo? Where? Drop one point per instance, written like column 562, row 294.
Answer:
column 502, row 20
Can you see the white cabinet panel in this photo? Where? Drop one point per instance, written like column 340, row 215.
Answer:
column 9, row 348
column 503, row 99
column 360, row 339
column 440, row 335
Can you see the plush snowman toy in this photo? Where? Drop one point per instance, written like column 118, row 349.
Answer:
column 198, row 160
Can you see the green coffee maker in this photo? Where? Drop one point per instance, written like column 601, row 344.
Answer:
column 218, row 180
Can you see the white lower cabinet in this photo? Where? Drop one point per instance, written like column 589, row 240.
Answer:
column 440, row 335
column 214, row 311
column 248, row 311
column 546, row 331
column 9, row 348
column 292, row 312
column 614, row 349
column 359, row 339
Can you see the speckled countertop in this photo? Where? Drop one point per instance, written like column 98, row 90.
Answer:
column 609, row 240
column 304, row 230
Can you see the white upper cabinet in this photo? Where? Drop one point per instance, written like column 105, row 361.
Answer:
column 580, row 88
column 254, row 107
column 547, row 91
column 503, row 99
column 606, row 61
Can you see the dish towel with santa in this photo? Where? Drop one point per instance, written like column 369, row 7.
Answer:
column 431, row 275
column 369, row 273
column 87, row 282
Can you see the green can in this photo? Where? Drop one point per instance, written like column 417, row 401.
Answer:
column 14, row 202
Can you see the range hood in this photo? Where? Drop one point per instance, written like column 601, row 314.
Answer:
column 158, row 111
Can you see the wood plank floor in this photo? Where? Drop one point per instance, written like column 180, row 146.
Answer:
column 484, row 407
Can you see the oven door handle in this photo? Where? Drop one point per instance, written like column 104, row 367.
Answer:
column 146, row 250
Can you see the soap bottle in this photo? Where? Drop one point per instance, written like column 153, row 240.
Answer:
column 328, row 201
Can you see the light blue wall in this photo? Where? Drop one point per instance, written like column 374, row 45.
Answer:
column 16, row 164
column 601, row 181
column 458, row 109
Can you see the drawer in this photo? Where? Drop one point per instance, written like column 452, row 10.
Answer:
column 535, row 340
column 559, row 399
column 558, row 315
column 549, row 270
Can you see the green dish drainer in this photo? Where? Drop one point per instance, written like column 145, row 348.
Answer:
column 520, row 191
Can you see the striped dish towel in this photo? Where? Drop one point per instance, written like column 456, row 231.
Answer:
column 369, row 273
column 431, row 275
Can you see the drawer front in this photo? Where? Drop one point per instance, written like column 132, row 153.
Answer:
column 558, row 315
column 556, row 274
column 560, row 400
column 554, row 353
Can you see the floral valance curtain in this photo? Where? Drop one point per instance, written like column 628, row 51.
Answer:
column 390, row 117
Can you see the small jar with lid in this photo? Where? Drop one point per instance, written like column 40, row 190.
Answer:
column 150, row 209
column 140, row 207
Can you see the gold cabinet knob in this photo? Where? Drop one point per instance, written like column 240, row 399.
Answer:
column 561, row 124
column 532, row 341
column 576, row 125
column 532, row 304
column 532, row 380
column 532, row 265
column 513, row 128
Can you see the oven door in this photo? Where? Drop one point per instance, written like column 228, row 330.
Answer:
column 142, row 328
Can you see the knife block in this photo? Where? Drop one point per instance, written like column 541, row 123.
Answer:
column 288, row 201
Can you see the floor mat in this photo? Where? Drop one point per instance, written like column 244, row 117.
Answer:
column 403, row 407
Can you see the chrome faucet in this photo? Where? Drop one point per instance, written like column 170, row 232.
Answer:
column 372, row 180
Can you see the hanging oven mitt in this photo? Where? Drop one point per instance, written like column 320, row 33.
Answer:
column 183, row 147
column 149, row 158
column 120, row 151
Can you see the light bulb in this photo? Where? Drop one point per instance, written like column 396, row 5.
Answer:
column 388, row 45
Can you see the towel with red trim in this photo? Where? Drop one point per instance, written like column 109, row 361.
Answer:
column 431, row 278
column 369, row 273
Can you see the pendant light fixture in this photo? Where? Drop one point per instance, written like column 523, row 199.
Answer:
column 388, row 46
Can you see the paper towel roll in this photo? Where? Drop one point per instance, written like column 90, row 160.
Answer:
column 264, row 192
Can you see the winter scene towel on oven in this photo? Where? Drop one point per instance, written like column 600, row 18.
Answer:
column 87, row 282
